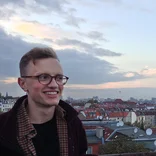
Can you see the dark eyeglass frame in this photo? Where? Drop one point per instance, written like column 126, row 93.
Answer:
column 51, row 78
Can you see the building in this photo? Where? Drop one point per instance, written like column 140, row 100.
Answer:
column 6, row 105
column 127, row 117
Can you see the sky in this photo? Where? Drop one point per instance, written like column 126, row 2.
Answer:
column 106, row 47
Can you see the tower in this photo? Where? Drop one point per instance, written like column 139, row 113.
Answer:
column 6, row 94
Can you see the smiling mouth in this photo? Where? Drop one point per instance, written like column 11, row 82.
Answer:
column 51, row 93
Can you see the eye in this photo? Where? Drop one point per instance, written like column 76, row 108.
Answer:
column 44, row 77
column 59, row 77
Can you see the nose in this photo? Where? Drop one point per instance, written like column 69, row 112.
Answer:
column 53, row 83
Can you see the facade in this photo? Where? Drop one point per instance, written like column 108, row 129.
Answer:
column 127, row 117
column 148, row 118
column 6, row 105
column 95, row 137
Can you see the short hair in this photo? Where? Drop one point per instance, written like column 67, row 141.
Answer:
column 34, row 54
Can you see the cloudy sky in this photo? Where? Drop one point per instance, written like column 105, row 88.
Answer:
column 106, row 47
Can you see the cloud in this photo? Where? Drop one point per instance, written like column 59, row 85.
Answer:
column 28, row 8
column 105, row 52
column 95, row 35
column 9, row 80
column 54, row 5
column 130, row 74
column 5, row 2
column 109, row 85
column 48, row 33
column 5, row 12
column 74, row 21
column 85, row 69
column 82, row 68
column 67, row 13
column 87, row 48
column 36, row 30
column 148, row 72
column 106, row 25
column 12, row 48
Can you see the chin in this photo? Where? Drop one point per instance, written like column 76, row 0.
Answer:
column 54, row 102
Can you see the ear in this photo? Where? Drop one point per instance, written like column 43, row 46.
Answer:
column 22, row 83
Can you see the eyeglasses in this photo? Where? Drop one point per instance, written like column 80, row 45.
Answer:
column 46, row 79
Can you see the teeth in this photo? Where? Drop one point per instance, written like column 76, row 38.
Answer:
column 51, row 93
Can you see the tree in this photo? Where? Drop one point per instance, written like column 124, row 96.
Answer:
column 140, row 124
column 121, row 145
column 92, row 101
column 128, row 123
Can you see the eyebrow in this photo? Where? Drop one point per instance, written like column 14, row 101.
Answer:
column 48, row 74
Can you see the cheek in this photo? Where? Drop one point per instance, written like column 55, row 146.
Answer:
column 61, row 88
column 35, row 87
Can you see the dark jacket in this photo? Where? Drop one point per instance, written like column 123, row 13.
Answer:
column 77, row 142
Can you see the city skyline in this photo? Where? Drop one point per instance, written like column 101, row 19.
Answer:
column 92, row 96
column 106, row 47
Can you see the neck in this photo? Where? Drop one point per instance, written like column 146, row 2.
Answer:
column 39, row 115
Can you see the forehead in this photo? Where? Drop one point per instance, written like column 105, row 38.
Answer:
column 49, row 65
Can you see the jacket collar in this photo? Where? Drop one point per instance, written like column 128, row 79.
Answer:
column 69, row 111
column 8, row 120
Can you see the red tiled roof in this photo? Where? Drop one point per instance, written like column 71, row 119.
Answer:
column 108, row 132
column 154, row 130
column 145, row 113
column 118, row 101
column 118, row 114
column 131, row 103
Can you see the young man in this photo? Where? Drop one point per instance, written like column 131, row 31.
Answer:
column 40, row 124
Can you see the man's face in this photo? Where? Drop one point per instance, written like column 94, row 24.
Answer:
column 39, row 94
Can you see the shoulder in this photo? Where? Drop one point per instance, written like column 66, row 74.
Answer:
column 71, row 114
column 4, row 117
column 70, row 111
column 66, row 106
